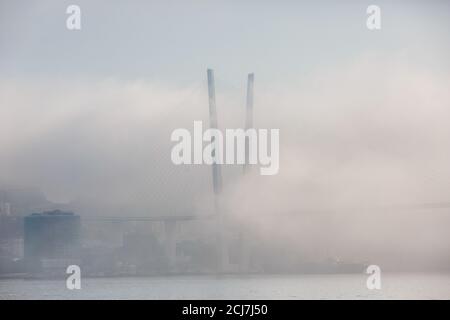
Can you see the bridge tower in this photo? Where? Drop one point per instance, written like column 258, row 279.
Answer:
column 243, row 236
column 170, row 242
column 222, row 251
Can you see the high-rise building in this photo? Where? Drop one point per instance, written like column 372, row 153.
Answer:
column 5, row 208
column 52, row 242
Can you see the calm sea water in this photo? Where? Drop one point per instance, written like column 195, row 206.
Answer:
column 394, row 286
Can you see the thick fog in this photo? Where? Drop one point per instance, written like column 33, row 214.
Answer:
column 364, row 134
column 351, row 156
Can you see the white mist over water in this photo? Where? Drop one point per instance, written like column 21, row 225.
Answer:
column 380, row 138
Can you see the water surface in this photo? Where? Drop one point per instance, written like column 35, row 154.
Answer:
column 353, row 286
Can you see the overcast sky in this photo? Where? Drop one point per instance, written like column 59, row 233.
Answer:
column 175, row 41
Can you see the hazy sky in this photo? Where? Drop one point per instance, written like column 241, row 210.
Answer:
column 363, row 115
column 175, row 41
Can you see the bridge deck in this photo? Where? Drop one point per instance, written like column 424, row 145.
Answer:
column 149, row 218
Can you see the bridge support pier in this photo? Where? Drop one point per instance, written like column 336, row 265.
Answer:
column 244, row 251
column 222, row 246
column 170, row 242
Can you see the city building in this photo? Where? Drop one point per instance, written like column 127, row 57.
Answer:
column 5, row 208
column 51, row 242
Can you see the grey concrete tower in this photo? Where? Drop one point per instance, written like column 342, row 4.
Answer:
column 244, row 250
column 216, row 170
column 248, row 117
column 222, row 250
